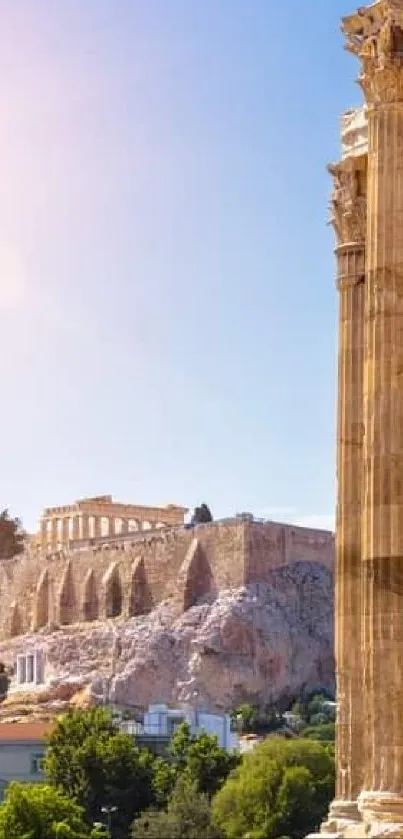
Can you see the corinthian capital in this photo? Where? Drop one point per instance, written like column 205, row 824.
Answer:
column 375, row 35
column 349, row 202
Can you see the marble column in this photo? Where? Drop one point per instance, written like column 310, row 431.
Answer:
column 44, row 533
column 349, row 221
column 65, row 531
column 85, row 526
column 378, row 41
column 54, row 533
column 97, row 527
column 76, row 527
column 111, row 526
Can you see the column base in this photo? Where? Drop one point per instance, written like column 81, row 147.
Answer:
column 343, row 816
column 382, row 812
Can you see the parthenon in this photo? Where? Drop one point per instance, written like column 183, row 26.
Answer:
column 101, row 517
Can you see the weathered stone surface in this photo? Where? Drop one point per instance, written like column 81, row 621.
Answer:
column 257, row 643
column 179, row 564
column 367, row 215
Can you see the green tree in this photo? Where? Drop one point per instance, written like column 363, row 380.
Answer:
column 93, row 762
column 264, row 799
column 188, row 816
column 4, row 681
column 202, row 515
column 39, row 811
column 165, row 776
column 201, row 759
column 325, row 732
column 11, row 536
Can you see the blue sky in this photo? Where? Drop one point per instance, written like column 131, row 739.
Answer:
column 167, row 299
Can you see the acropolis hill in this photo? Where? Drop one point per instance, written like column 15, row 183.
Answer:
column 238, row 607
column 125, row 560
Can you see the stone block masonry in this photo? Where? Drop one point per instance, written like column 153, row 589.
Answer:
column 179, row 564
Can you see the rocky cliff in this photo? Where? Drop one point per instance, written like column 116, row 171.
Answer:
column 256, row 643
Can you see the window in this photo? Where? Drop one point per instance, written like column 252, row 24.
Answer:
column 173, row 723
column 36, row 764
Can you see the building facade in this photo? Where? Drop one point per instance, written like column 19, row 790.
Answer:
column 22, row 749
column 161, row 722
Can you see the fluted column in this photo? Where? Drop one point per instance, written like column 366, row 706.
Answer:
column 349, row 218
column 378, row 41
column 97, row 527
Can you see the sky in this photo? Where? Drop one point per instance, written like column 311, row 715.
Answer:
column 168, row 312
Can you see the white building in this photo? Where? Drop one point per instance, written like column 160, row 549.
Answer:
column 161, row 721
column 29, row 671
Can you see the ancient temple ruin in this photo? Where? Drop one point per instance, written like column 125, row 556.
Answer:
column 367, row 214
column 101, row 518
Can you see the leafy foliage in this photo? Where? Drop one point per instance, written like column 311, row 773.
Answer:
column 11, row 536
column 202, row 515
column 39, row 811
column 282, row 788
column 94, row 763
column 201, row 760
column 325, row 733
column 252, row 719
column 4, row 681
column 188, row 816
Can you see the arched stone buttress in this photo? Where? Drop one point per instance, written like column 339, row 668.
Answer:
column 67, row 600
column 41, row 605
column 195, row 576
column 15, row 621
column 90, row 597
column 112, row 592
column 141, row 601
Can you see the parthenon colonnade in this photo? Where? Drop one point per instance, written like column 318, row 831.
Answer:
column 101, row 517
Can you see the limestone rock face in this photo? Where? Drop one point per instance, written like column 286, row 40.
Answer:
column 256, row 643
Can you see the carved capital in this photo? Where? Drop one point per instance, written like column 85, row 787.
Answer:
column 375, row 35
column 349, row 202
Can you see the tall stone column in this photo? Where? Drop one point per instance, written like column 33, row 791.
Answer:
column 76, row 527
column 124, row 526
column 44, row 533
column 65, row 531
column 97, row 526
column 375, row 34
column 349, row 221
column 85, row 526
column 54, row 533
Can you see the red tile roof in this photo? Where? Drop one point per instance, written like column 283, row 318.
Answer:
column 24, row 730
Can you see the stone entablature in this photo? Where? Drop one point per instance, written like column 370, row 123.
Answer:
column 354, row 133
column 94, row 518
column 179, row 564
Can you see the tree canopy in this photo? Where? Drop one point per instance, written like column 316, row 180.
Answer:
column 97, row 765
column 281, row 789
column 202, row 515
column 39, row 811
column 11, row 536
column 199, row 760
column 188, row 816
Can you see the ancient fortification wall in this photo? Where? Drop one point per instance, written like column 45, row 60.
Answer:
column 184, row 565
